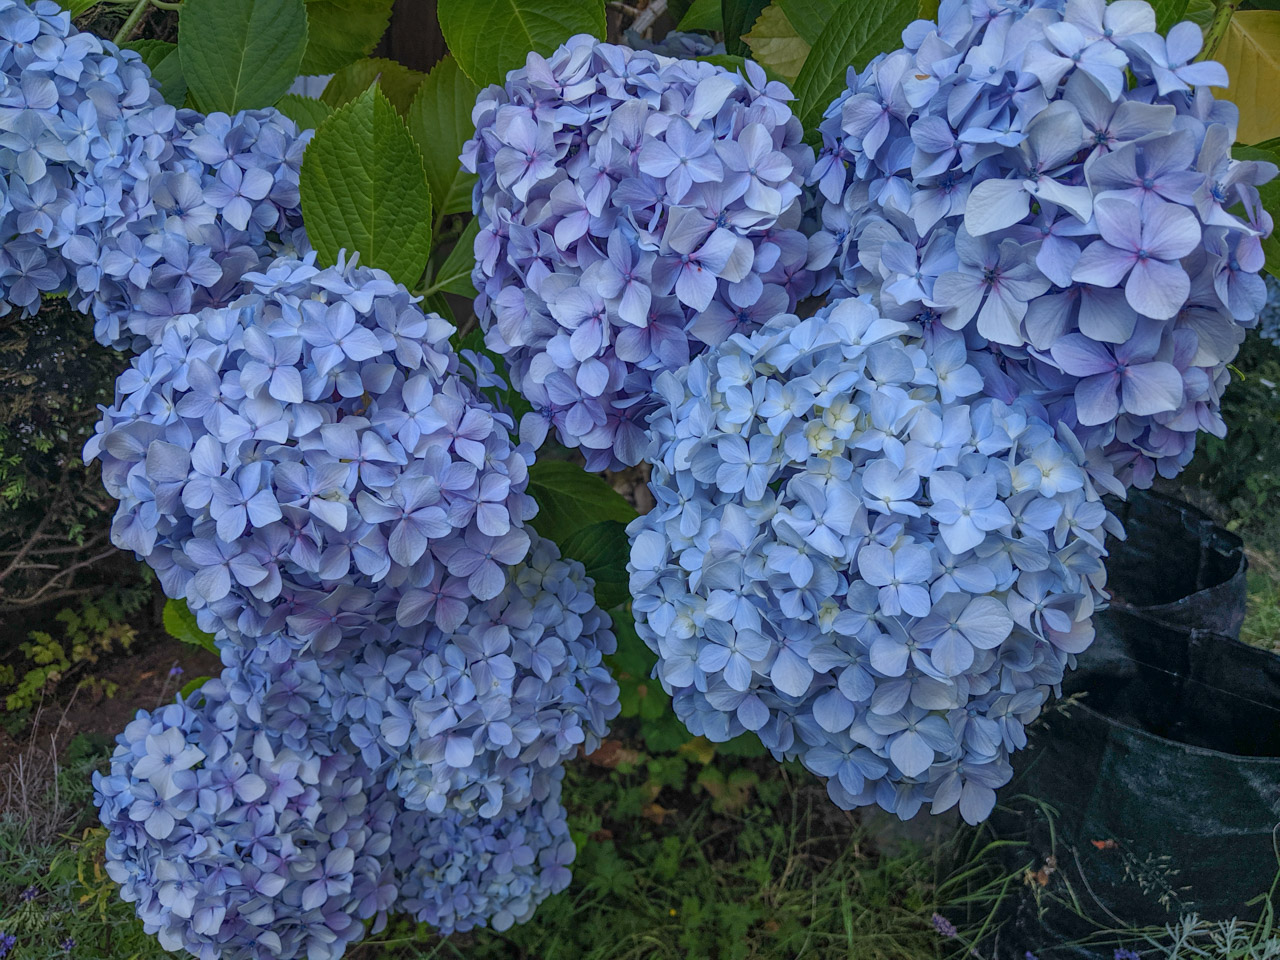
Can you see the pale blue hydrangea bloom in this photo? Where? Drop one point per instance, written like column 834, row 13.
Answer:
column 633, row 209
column 1055, row 180
column 862, row 560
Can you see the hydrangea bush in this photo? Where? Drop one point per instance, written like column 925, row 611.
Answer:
column 1056, row 181
column 879, row 532
column 634, row 210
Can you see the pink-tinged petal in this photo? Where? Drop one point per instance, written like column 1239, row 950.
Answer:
column 1157, row 289
column 1151, row 388
column 1102, row 264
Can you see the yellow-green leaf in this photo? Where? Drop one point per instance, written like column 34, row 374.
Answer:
column 775, row 43
column 1251, row 53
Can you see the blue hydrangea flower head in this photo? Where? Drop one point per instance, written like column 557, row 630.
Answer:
column 137, row 211
column 316, row 433
column 634, row 210
column 861, row 559
column 1055, row 181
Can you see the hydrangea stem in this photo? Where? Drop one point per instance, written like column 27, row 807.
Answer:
column 131, row 21
column 1213, row 37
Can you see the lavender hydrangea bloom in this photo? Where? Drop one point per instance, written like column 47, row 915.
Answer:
column 1048, row 172
column 314, row 433
column 633, row 210
column 876, row 573
column 135, row 210
column 256, row 847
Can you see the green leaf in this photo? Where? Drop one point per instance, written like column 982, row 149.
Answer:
column 855, row 34
column 77, row 7
column 307, row 112
column 440, row 120
column 738, row 16
column 490, row 37
column 702, row 15
column 454, row 275
column 165, row 64
column 342, row 31
column 570, row 499
column 810, row 16
column 180, row 623
column 1168, row 12
column 238, row 54
column 603, row 549
column 1251, row 53
column 191, row 686
column 364, row 189
column 397, row 82
column 776, row 45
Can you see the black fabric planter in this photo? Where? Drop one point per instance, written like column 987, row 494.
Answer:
column 1164, row 777
column 1176, row 567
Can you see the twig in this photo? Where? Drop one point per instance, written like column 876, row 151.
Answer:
column 652, row 12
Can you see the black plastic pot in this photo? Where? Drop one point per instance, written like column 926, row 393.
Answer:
column 1163, row 778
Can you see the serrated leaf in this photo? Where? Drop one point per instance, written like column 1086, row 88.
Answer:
column 570, row 499
column 1251, row 53
column 855, row 34
column 454, row 275
column 776, row 45
column 180, row 623
column 603, row 549
column 307, row 112
column 702, row 15
column 810, row 16
column 398, row 83
column 440, row 120
column 342, row 31
column 238, row 54
column 364, row 189
column 191, row 686
column 738, row 16
column 165, row 64
column 490, row 37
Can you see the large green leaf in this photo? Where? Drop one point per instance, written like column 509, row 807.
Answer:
column 342, row 31
column 855, row 34
column 238, row 54
column 775, row 44
column 603, row 549
column 1168, row 12
column 702, row 15
column 397, row 82
column 738, row 16
column 364, row 189
column 307, row 112
column 490, row 37
column 810, row 16
column 180, row 623
column 440, row 120
column 570, row 499
column 454, row 275
column 77, row 7
column 162, row 58
column 1251, row 53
